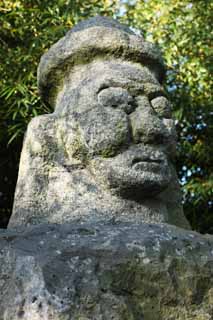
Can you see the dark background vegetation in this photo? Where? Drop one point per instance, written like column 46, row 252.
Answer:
column 181, row 28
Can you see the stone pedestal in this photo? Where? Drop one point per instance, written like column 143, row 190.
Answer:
column 102, row 272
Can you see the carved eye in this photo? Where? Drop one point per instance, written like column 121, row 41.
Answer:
column 116, row 98
column 162, row 106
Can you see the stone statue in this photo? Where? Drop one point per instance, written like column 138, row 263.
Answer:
column 98, row 179
column 106, row 153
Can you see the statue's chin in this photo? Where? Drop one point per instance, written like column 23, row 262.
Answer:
column 147, row 189
column 140, row 185
column 140, row 180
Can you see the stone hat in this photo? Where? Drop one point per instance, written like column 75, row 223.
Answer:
column 95, row 37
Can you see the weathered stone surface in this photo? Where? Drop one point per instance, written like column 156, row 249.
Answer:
column 100, row 166
column 105, row 271
column 107, row 151
column 98, row 37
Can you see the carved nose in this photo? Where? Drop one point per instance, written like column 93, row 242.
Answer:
column 146, row 126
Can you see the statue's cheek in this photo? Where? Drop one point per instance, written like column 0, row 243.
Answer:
column 104, row 132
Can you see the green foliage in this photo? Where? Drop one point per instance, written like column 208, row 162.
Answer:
column 28, row 28
column 182, row 29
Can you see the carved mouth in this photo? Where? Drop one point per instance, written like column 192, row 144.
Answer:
column 141, row 163
column 139, row 160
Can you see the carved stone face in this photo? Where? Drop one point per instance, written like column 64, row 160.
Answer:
column 123, row 127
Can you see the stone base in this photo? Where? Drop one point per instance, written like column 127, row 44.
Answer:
column 103, row 272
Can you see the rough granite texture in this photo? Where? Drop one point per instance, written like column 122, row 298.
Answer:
column 105, row 272
column 107, row 151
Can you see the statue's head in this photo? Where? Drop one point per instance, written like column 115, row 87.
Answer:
column 107, row 83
